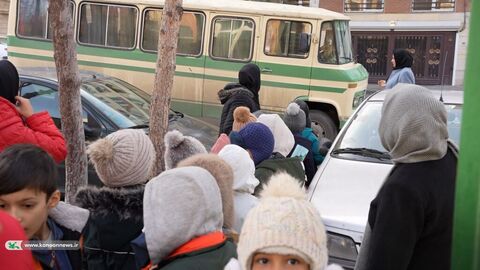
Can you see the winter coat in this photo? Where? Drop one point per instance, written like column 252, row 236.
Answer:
column 277, row 163
column 116, row 218
column 308, row 161
column 233, row 96
column 404, row 75
column 37, row 129
column 308, row 134
column 204, row 254
column 59, row 259
column 411, row 218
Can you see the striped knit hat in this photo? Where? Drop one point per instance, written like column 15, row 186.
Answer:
column 413, row 127
column 285, row 223
column 123, row 158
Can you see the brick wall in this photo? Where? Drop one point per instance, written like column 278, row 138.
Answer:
column 333, row 5
column 396, row 6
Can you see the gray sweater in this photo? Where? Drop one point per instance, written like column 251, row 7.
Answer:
column 404, row 75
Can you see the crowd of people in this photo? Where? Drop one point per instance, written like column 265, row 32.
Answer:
column 239, row 205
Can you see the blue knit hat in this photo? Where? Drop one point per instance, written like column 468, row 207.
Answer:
column 255, row 137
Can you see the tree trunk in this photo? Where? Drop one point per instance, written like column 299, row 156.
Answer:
column 69, row 95
column 165, row 71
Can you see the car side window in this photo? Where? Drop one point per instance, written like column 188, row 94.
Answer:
column 44, row 98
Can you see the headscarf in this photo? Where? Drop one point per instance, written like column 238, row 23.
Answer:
column 403, row 59
column 9, row 81
column 249, row 76
column 413, row 126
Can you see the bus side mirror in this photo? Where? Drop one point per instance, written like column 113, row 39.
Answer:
column 304, row 43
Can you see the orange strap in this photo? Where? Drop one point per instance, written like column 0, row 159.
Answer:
column 204, row 241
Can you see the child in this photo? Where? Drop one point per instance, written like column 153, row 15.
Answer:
column 11, row 254
column 284, row 229
column 123, row 161
column 179, row 147
column 294, row 118
column 244, row 181
column 183, row 221
column 223, row 174
column 28, row 191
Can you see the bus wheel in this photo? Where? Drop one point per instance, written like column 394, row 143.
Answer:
column 323, row 125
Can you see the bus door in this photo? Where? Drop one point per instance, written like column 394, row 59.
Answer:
column 285, row 58
column 188, row 81
column 232, row 43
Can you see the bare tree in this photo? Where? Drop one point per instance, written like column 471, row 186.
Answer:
column 69, row 92
column 165, row 71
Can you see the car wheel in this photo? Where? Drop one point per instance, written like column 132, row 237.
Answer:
column 322, row 125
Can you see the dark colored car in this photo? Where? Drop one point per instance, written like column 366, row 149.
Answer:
column 108, row 104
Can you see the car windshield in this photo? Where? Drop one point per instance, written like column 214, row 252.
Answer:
column 361, row 140
column 118, row 101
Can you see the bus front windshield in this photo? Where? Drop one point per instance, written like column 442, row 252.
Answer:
column 335, row 43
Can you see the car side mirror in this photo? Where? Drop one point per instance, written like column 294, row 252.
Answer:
column 92, row 132
column 304, row 43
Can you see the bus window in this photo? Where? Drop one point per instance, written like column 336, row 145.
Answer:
column 232, row 39
column 287, row 38
column 33, row 20
column 344, row 42
column 335, row 43
column 190, row 36
column 327, row 53
column 121, row 25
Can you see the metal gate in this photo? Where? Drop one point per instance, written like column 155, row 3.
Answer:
column 432, row 54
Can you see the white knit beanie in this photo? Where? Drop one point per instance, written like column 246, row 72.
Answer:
column 284, row 222
column 179, row 147
column 123, row 158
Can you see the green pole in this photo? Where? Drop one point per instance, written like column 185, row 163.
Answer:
column 466, row 228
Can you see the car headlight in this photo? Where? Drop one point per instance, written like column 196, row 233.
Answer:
column 358, row 98
column 341, row 247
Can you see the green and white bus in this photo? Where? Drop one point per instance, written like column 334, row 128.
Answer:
column 302, row 52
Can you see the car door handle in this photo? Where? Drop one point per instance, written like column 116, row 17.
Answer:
column 266, row 70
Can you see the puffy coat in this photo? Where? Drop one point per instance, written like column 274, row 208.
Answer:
column 233, row 96
column 37, row 129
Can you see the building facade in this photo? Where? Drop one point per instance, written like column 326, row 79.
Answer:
column 4, row 5
column 434, row 31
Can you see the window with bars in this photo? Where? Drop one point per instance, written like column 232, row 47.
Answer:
column 433, row 5
column 363, row 5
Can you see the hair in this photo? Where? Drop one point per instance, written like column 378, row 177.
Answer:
column 25, row 166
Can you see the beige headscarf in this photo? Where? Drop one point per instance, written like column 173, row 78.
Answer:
column 413, row 127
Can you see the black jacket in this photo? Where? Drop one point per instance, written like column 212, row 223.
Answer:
column 411, row 217
column 233, row 96
column 116, row 218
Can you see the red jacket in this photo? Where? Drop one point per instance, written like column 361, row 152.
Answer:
column 37, row 129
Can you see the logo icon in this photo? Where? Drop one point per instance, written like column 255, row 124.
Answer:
column 13, row 245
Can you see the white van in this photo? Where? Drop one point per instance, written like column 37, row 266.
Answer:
column 353, row 171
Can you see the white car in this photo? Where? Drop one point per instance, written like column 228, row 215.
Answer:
column 353, row 171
